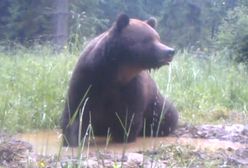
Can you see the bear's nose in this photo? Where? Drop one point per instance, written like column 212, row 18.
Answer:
column 170, row 52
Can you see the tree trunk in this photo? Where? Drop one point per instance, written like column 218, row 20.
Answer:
column 61, row 14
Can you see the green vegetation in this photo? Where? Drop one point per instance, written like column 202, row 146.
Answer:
column 233, row 34
column 34, row 83
column 26, row 21
column 208, row 79
column 209, row 89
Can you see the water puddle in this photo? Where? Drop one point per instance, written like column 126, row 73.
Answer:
column 49, row 143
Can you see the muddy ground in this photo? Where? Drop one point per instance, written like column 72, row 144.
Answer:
column 16, row 153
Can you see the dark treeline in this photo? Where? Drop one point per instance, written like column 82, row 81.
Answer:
column 183, row 23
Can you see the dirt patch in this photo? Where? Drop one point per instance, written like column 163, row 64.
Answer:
column 15, row 153
column 233, row 133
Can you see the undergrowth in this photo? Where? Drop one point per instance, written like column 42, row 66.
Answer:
column 206, row 89
column 33, row 84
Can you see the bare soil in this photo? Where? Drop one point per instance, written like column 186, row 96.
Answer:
column 16, row 153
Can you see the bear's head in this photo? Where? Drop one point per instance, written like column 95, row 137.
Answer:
column 140, row 44
column 132, row 46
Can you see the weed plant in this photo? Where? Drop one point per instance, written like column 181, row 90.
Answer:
column 206, row 89
column 32, row 87
column 33, row 84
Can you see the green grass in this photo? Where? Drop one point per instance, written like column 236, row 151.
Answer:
column 211, row 90
column 32, row 87
column 33, row 84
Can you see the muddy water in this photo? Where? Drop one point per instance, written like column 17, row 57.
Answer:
column 49, row 143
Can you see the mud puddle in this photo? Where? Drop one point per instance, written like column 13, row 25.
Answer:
column 49, row 143
column 211, row 137
column 190, row 146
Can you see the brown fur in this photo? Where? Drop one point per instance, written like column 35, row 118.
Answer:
column 114, row 66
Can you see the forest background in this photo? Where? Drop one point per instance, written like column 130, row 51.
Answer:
column 40, row 42
column 182, row 23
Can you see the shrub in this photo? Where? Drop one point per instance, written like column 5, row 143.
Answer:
column 233, row 34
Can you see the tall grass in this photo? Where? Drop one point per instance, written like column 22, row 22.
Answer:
column 32, row 87
column 206, row 89
column 33, row 84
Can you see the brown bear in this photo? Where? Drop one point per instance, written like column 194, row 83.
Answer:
column 111, row 89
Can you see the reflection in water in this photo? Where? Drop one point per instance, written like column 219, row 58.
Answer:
column 49, row 142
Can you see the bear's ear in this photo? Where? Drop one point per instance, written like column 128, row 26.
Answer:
column 152, row 22
column 121, row 22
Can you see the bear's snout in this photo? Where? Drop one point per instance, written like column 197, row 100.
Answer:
column 165, row 55
column 164, row 50
column 170, row 52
